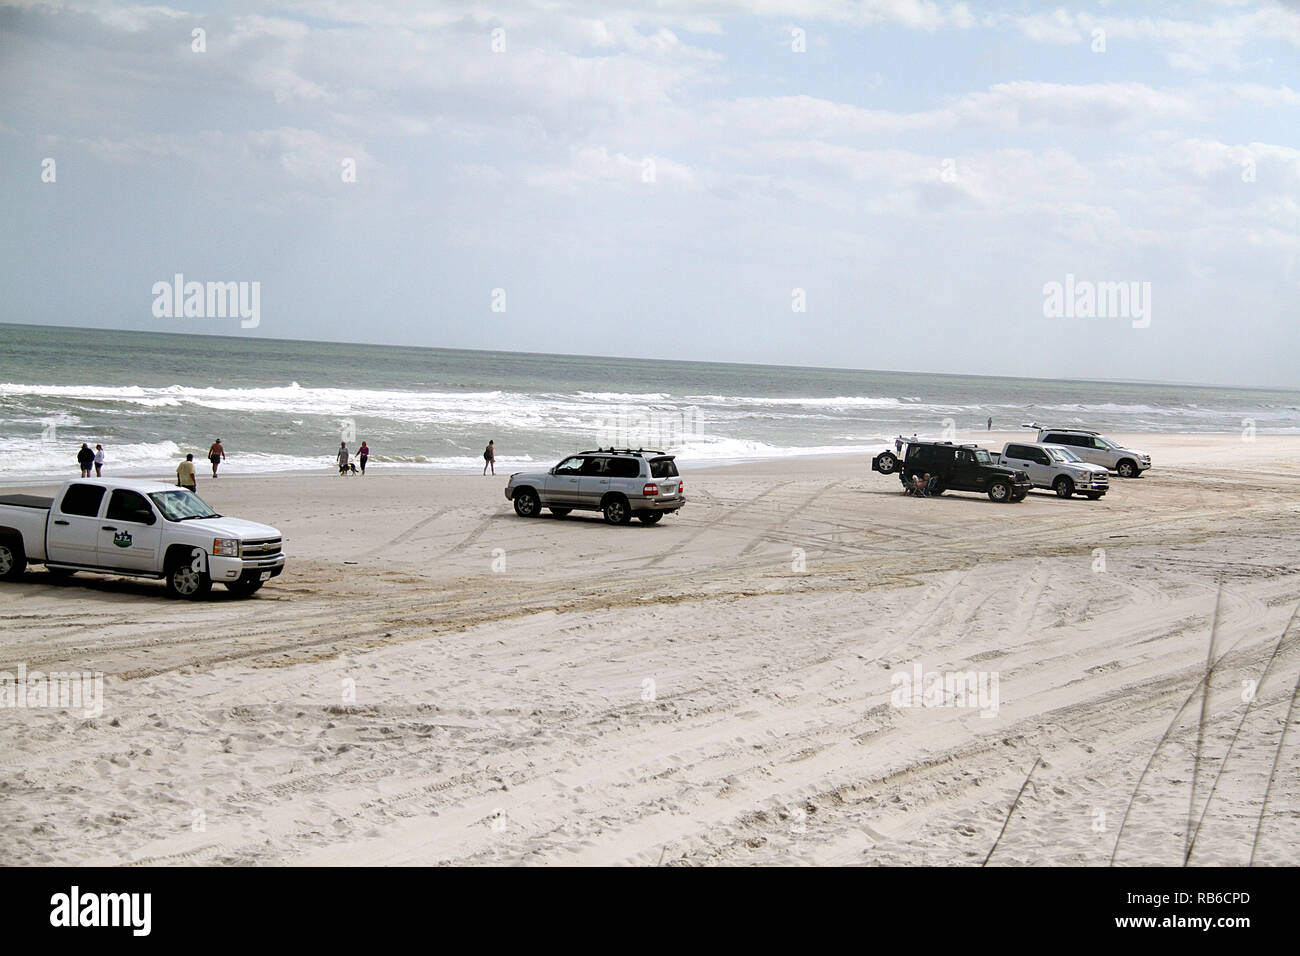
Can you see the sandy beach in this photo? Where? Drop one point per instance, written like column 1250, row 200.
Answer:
column 436, row 680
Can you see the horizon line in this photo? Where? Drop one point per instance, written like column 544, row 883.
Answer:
column 640, row 358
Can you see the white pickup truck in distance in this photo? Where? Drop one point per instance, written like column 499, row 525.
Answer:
column 140, row 528
column 1056, row 467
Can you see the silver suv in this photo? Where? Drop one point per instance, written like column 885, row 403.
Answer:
column 619, row 483
column 1093, row 447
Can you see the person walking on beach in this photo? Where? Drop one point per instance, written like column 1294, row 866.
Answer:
column 364, row 454
column 489, row 458
column 990, row 428
column 99, row 460
column 343, row 458
column 85, row 458
column 216, row 455
column 185, row 474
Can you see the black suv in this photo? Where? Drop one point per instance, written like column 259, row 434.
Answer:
column 955, row 468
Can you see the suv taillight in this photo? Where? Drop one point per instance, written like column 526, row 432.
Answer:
column 681, row 486
column 650, row 489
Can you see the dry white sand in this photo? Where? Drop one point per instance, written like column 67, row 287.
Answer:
column 684, row 693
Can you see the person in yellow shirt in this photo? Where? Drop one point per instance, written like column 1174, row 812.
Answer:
column 185, row 474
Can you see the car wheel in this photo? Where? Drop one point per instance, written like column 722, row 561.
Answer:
column 1063, row 487
column 244, row 587
column 527, row 504
column 184, row 582
column 1000, row 491
column 560, row 512
column 13, row 560
column 650, row 517
column 616, row 510
column 886, row 463
column 1127, row 468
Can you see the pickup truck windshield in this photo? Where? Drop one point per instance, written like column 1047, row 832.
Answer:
column 180, row 504
column 982, row 457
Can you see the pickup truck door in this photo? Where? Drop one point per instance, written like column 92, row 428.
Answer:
column 562, row 483
column 1025, row 459
column 1039, row 468
column 130, row 534
column 72, row 535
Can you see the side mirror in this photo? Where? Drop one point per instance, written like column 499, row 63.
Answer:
column 552, row 471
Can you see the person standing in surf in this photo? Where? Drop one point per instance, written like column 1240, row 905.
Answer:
column 99, row 461
column 216, row 455
column 363, row 453
column 490, row 458
column 85, row 458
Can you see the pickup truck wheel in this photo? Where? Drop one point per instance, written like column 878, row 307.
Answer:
column 13, row 560
column 560, row 512
column 244, row 587
column 184, row 582
column 616, row 510
column 886, row 463
column 650, row 517
column 1000, row 491
column 1127, row 468
column 527, row 504
column 1063, row 487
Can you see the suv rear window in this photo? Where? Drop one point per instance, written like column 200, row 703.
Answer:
column 624, row 468
column 82, row 500
column 663, row 468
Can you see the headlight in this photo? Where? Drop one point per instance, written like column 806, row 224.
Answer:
column 225, row 547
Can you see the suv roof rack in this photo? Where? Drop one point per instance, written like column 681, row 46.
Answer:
column 934, row 441
column 1060, row 428
column 611, row 450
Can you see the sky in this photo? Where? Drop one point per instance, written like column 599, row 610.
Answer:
column 887, row 184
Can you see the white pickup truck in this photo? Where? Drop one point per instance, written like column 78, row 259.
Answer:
column 141, row 528
column 1056, row 467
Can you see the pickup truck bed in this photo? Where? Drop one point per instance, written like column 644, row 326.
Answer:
column 27, row 501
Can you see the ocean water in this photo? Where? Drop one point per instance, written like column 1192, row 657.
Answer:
column 284, row 406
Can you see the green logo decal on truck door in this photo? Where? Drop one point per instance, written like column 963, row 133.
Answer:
column 122, row 539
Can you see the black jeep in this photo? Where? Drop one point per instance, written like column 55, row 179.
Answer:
column 954, row 468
